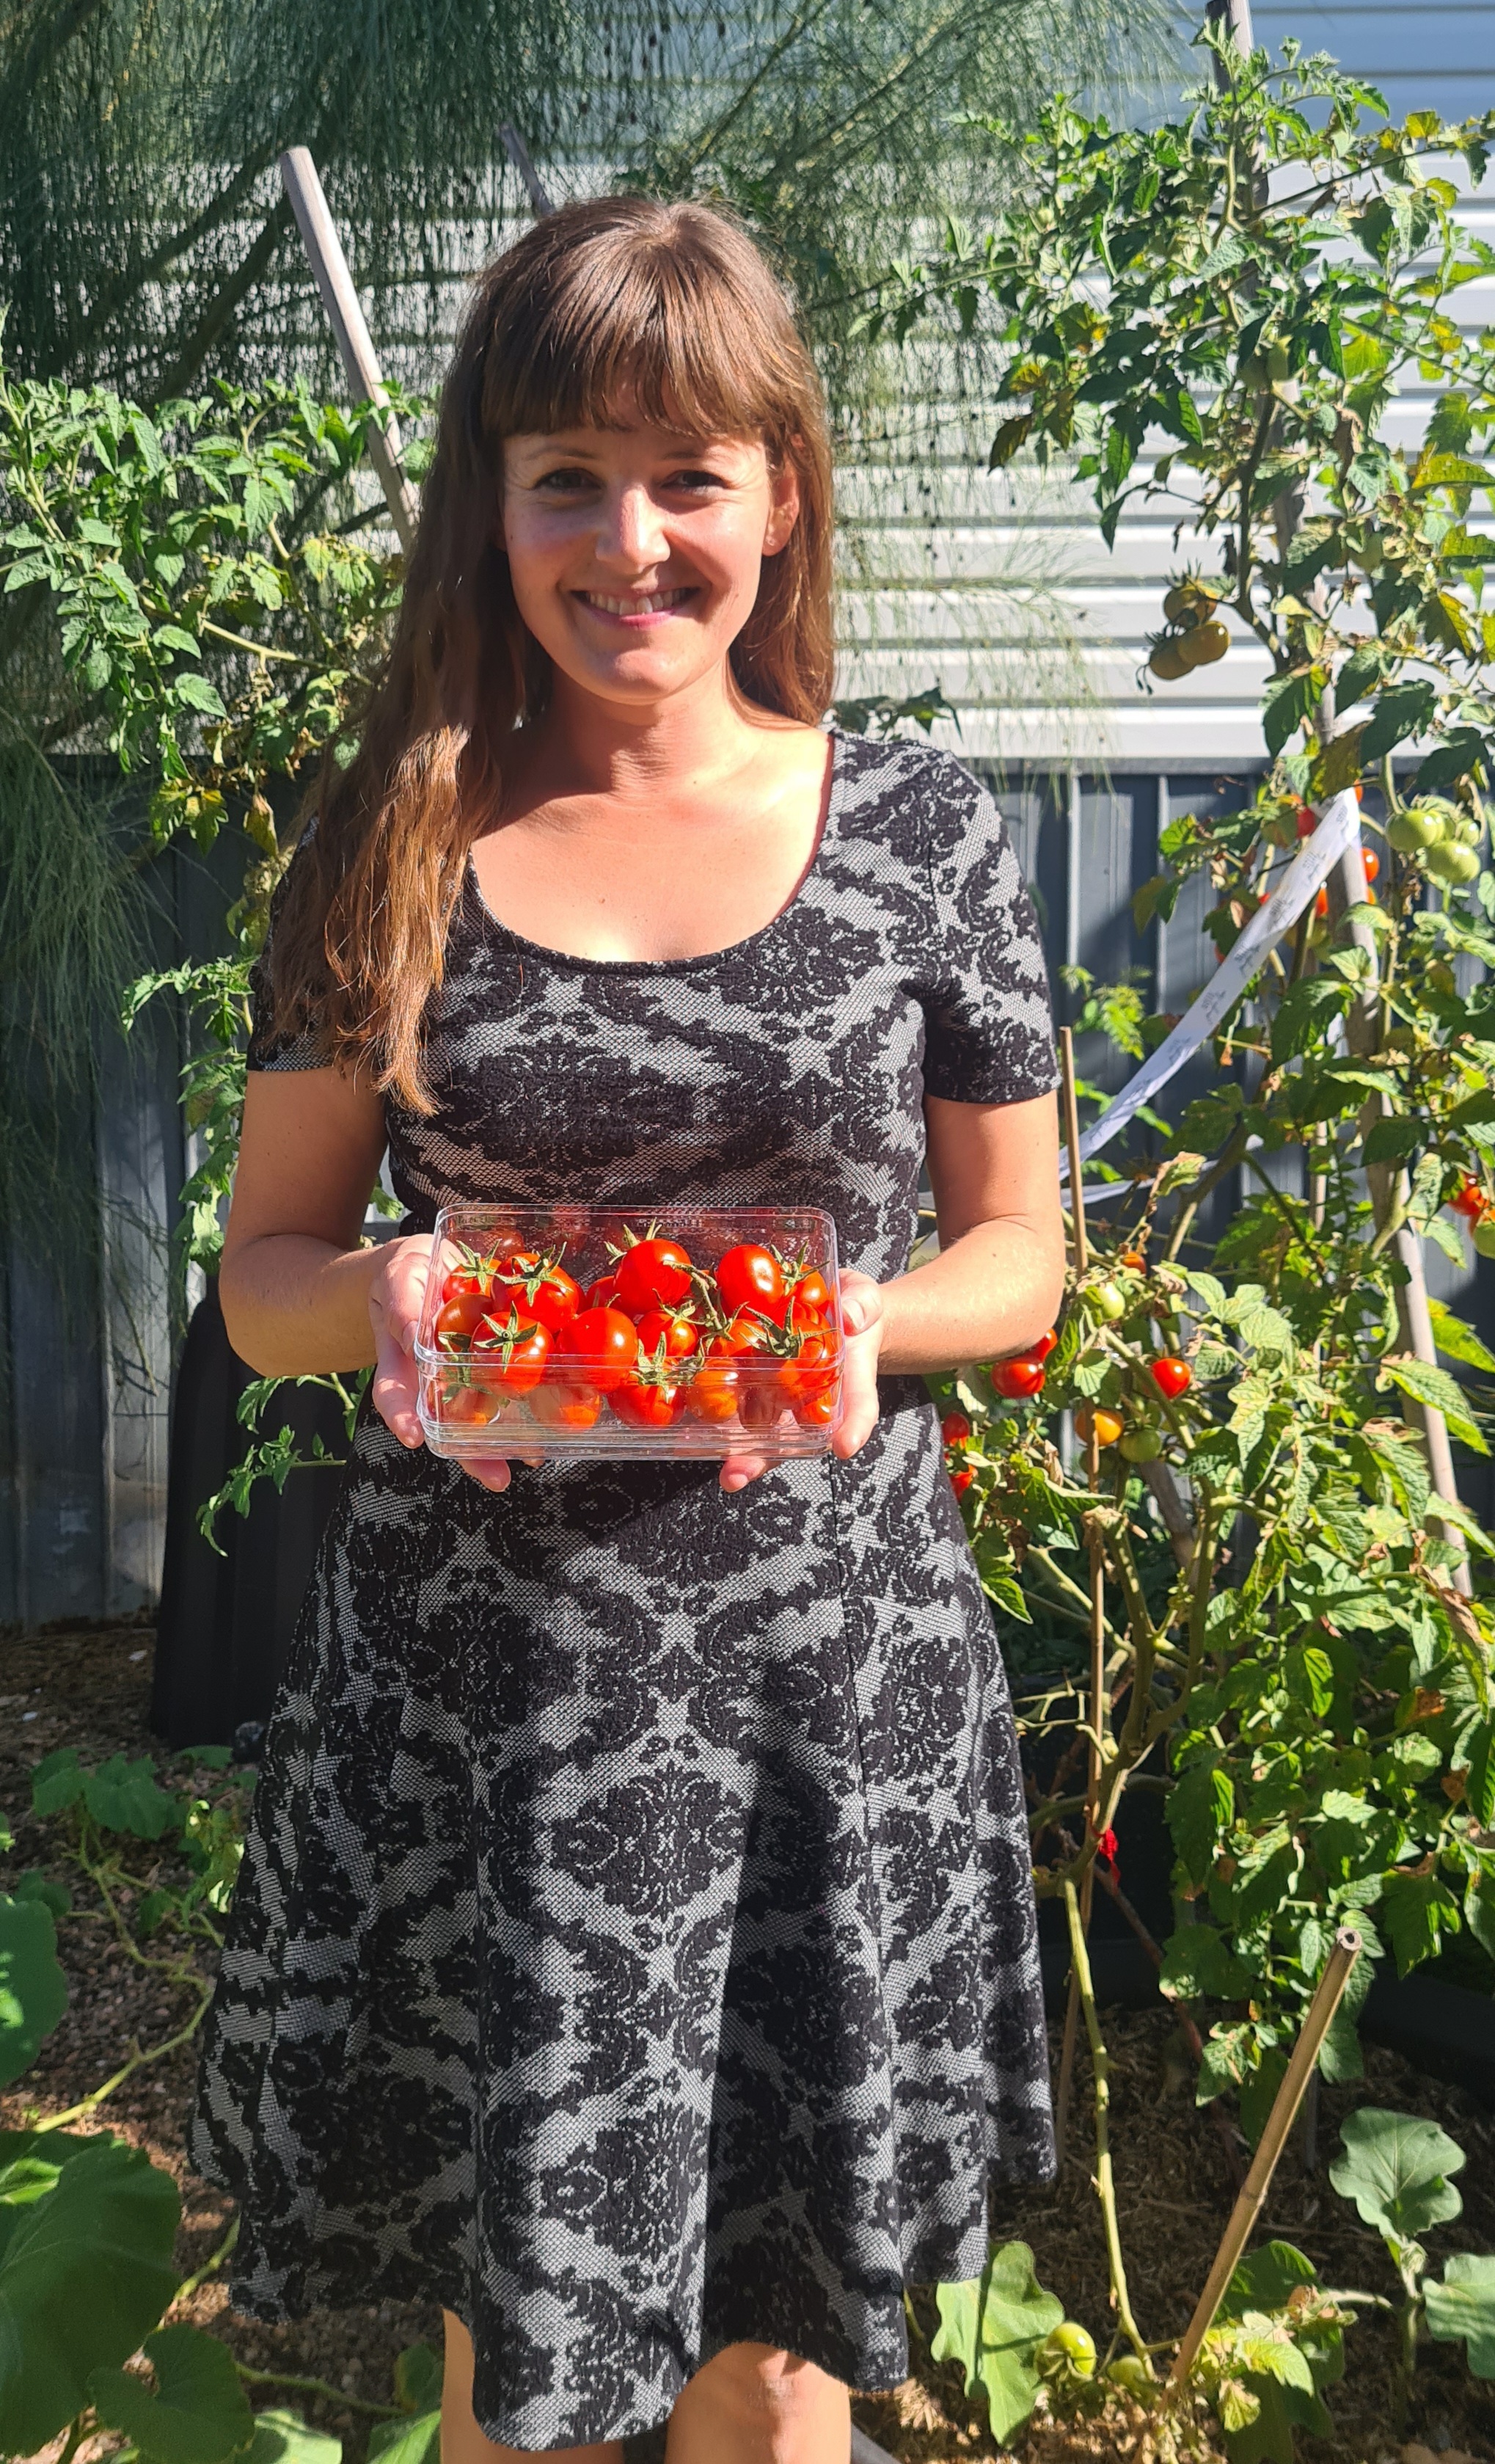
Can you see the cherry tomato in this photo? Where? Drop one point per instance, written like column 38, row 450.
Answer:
column 1019, row 1378
column 1045, row 1344
column 540, row 1289
column 1306, row 820
column 815, row 1411
column 602, row 1345
column 1170, row 1375
column 464, row 1281
column 653, row 1274
column 678, row 1334
column 761, row 1401
column 471, row 1406
column 713, row 1393
column 1372, row 864
column 457, row 1320
column 744, row 1334
column 1321, row 903
column 558, row 1404
column 812, row 1369
column 751, row 1277
column 955, row 1428
column 648, row 1402
column 602, row 1294
column 1104, row 1426
column 514, row 1349
column 811, row 1291
column 1469, row 1200
column 961, row 1478
column 1135, row 1259
column 1359, row 793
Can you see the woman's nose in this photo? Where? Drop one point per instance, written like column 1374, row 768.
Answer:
column 633, row 530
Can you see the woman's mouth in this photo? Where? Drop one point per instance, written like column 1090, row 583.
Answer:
column 634, row 604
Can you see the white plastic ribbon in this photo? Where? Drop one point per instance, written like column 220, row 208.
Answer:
column 1338, row 829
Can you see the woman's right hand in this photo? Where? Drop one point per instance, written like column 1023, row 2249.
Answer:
column 396, row 1297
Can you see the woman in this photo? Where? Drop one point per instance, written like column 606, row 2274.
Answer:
column 634, row 1948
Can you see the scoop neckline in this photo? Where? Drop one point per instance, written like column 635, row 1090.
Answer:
column 836, row 738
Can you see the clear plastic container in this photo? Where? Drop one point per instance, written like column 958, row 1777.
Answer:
column 755, row 1380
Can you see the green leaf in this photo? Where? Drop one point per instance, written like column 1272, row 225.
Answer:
column 1458, row 1341
column 993, row 2328
column 197, row 692
column 1287, row 702
column 1391, row 1141
column 418, row 2378
column 1462, row 2308
column 126, row 1796
column 285, row 2438
column 407, row 2442
column 26, row 2179
column 34, row 1991
column 1427, row 1384
column 1259, row 2292
column 1198, row 1961
column 38, row 1885
column 85, row 2274
column 58, row 1781
column 1400, row 710
column 200, row 2412
column 1417, row 1908
column 1395, row 2168
column 1307, row 1012
column 1201, row 1806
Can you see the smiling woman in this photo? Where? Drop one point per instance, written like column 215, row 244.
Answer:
column 636, row 1942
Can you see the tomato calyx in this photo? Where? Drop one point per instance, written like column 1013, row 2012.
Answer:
column 550, row 1295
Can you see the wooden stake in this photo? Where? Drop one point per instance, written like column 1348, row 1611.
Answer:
column 541, row 202
column 323, row 246
column 1264, row 2164
column 1098, row 1700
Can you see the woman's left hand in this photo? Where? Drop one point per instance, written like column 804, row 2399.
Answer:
column 862, row 1325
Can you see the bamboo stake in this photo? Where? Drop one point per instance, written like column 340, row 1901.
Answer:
column 1264, row 2164
column 1081, row 1253
column 335, row 282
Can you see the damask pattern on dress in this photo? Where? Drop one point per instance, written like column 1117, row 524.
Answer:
column 635, row 1949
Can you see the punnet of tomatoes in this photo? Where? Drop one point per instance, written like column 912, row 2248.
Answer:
column 596, row 1331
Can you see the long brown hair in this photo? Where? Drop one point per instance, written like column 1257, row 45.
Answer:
column 621, row 307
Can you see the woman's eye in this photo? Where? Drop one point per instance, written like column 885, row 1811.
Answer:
column 698, row 479
column 565, row 482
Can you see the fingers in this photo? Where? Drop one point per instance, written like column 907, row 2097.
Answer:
column 739, row 1469
column 490, row 1471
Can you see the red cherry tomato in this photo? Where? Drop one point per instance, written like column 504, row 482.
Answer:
column 514, row 1349
column 744, row 1334
column 602, row 1346
column 1469, row 1200
column 558, row 1404
column 1372, row 864
column 464, row 1281
column 1308, row 821
column 955, row 1428
column 1044, row 1345
column 751, row 1277
column 653, row 1274
column 603, row 1294
column 815, row 1411
column 458, row 1320
column 961, row 1478
column 539, row 1290
column 678, row 1334
column 761, row 1401
column 1019, row 1378
column 811, row 1370
column 470, row 1406
column 1170, row 1375
column 648, row 1403
column 811, row 1291
column 1321, row 904
column 712, row 1395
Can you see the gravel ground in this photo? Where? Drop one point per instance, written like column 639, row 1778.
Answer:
column 90, row 1689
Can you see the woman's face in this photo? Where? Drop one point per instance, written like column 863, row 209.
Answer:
column 634, row 553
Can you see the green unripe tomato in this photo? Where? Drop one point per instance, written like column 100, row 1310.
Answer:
column 1453, row 864
column 1067, row 2349
column 1142, row 1445
column 1107, row 1302
column 1129, row 2370
column 1279, row 365
column 1465, row 831
column 1414, row 829
column 1485, row 1236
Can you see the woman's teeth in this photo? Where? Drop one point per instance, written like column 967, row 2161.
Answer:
column 649, row 604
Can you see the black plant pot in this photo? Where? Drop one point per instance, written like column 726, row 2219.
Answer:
column 225, row 1621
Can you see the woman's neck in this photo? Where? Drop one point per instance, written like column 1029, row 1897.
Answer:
column 585, row 746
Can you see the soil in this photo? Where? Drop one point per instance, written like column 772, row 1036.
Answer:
column 89, row 1689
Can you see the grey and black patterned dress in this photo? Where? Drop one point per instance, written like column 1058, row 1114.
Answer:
column 635, row 1946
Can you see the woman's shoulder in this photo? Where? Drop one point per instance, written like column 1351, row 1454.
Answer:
column 919, row 803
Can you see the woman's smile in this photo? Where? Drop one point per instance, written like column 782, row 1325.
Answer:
column 636, row 609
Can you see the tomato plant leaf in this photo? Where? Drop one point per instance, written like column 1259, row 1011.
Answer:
column 1458, row 1341
column 1198, row 1962
column 1201, row 1806
column 1395, row 2167
column 407, row 2442
column 285, row 2438
column 418, row 2378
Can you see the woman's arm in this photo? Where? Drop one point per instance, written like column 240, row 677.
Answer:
column 997, row 1282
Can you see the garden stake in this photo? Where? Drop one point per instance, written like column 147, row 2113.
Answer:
column 1092, row 1468
column 345, row 317
column 1100, row 2065
column 1264, row 2164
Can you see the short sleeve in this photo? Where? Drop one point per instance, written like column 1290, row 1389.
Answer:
column 268, row 1051
column 989, row 1028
